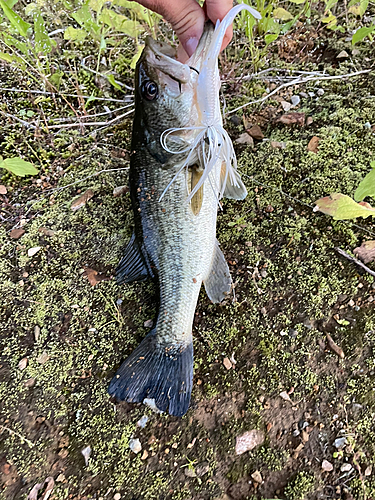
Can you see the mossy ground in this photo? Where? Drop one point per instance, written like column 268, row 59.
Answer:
column 291, row 289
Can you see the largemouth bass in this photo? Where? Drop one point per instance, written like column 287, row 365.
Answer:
column 182, row 163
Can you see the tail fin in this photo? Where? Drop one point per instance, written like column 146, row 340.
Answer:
column 160, row 372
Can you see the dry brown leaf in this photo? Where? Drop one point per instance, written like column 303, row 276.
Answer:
column 43, row 358
column 3, row 189
column 22, row 364
column 313, row 145
column 16, row 233
column 120, row 191
column 245, row 138
column 93, row 276
column 227, row 363
column 366, row 252
column 334, row 347
column 292, row 119
column 256, row 132
column 82, row 200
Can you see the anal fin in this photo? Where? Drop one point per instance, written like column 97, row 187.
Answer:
column 133, row 266
column 219, row 282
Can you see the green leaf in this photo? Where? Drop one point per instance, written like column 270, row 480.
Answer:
column 10, row 58
column 360, row 34
column 96, row 5
column 136, row 56
column 366, row 186
column 298, row 2
column 270, row 38
column 342, row 207
column 14, row 19
column 330, row 3
column 18, row 166
column 74, row 34
column 120, row 23
column 56, row 78
column 83, row 17
column 42, row 40
column 13, row 42
column 111, row 79
column 282, row 14
column 330, row 19
column 141, row 12
column 358, row 8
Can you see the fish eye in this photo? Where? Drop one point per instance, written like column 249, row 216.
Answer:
column 150, row 90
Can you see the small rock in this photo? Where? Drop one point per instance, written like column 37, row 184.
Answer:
column 278, row 145
column 340, row 443
column 36, row 333
column 202, row 469
column 313, row 144
column 309, row 121
column 355, row 52
column 148, row 323
column 3, row 189
column 304, row 95
column 320, row 92
column 150, row 402
column 346, row 467
column 285, row 396
column 43, row 358
column 86, row 452
column 46, row 231
column 302, row 424
column 368, row 470
column 190, row 472
column 16, row 233
column 286, row 106
column 60, row 478
column 227, row 363
column 311, row 94
column 135, row 445
column 257, row 477
column 29, row 382
column 256, row 132
column 296, row 432
column 22, row 364
column 245, row 138
column 144, row 455
column 248, row 441
column 295, row 100
column 117, row 496
column 32, row 251
column 327, row 466
column 120, row 191
column 236, row 120
column 342, row 55
column 142, row 421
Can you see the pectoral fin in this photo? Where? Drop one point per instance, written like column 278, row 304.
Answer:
column 219, row 282
column 194, row 175
column 133, row 266
column 233, row 192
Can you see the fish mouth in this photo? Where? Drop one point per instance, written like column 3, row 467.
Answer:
column 161, row 56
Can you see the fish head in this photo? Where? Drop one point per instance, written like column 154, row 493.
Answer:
column 166, row 89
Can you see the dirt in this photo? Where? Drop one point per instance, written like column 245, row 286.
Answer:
column 65, row 318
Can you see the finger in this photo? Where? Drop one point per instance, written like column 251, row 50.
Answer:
column 187, row 19
column 217, row 9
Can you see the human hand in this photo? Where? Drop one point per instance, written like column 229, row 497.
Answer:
column 187, row 18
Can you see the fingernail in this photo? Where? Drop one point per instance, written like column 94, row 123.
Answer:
column 191, row 45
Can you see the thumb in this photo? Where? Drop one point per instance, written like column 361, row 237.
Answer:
column 187, row 19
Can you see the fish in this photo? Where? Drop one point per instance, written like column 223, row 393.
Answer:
column 182, row 164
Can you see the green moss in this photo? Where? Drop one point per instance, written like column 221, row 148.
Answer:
column 300, row 486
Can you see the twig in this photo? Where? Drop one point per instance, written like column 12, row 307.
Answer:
column 91, row 124
column 24, row 123
column 58, row 94
column 85, row 117
column 30, row 443
column 85, row 178
column 103, row 76
column 298, row 81
column 352, row 259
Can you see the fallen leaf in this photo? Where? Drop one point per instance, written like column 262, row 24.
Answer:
column 86, row 452
column 82, row 200
column 334, row 347
column 245, row 138
column 342, row 207
column 32, row 251
column 93, row 277
column 16, row 233
column 313, row 145
column 248, row 441
column 367, row 185
column 285, row 396
column 46, row 232
column 227, row 363
column 43, row 358
column 3, row 189
column 49, row 483
column 29, row 382
column 292, row 119
column 22, row 364
column 120, row 191
column 256, row 132
column 366, row 252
